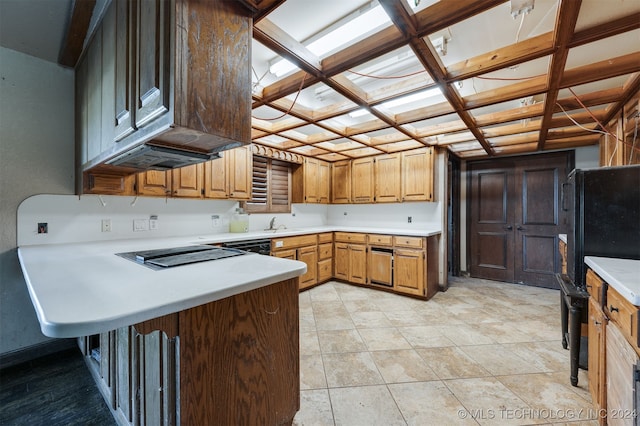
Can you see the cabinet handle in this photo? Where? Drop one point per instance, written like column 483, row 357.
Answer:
column 597, row 322
column 613, row 309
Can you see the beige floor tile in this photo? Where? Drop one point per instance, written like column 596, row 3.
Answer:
column 429, row 403
column 490, row 402
column 380, row 339
column 339, row 341
column 406, row 318
column 307, row 322
column 451, row 363
column 464, row 334
column 328, row 308
column 502, row 332
column 312, row 372
column 351, row 369
column 338, row 322
column 324, row 293
column 309, row 343
column 402, row 366
column 375, row 319
column 315, row 409
column 550, row 356
column 364, row 405
column 363, row 305
column 350, row 292
column 499, row 360
column 425, row 337
column 551, row 401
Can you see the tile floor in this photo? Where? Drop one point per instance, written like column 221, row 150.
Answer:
column 482, row 352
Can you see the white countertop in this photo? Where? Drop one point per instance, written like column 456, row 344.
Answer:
column 563, row 238
column 621, row 274
column 84, row 288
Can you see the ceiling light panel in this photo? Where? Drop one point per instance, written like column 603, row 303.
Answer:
column 467, row 39
column 594, row 12
column 608, row 48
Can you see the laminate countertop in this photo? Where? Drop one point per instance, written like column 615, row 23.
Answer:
column 80, row 289
column 621, row 274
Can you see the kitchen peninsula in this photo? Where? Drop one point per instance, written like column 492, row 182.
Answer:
column 211, row 342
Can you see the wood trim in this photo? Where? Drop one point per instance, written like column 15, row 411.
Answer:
column 76, row 32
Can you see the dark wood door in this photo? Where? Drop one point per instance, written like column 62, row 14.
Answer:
column 492, row 223
column 515, row 218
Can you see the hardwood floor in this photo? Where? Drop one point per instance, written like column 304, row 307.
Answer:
column 56, row 389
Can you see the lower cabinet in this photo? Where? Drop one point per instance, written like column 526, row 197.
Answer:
column 303, row 248
column 308, row 255
column 596, row 355
column 409, row 271
column 195, row 367
column 325, row 257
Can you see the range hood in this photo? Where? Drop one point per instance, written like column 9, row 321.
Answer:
column 149, row 156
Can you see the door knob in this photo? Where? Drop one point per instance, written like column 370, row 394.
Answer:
column 508, row 228
column 520, row 228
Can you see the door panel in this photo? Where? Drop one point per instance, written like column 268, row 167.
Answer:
column 515, row 218
column 491, row 224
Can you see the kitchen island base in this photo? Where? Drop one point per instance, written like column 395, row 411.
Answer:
column 232, row 361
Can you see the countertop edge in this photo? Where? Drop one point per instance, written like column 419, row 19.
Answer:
column 611, row 270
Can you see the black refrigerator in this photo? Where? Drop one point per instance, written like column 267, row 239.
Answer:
column 603, row 206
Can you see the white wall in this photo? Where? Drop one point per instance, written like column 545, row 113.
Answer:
column 36, row 156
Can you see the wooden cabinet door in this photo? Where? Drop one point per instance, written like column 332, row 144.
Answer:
column 621, row 360
column 310, row 180
column 153, row 63
column 596, row 355
column 341, row 182
column 216, row 182
column 362, row 184
column 325, row 270
column 323, row 182
column 380, row 267
column 417, row 175
column 341, row 264
column 285, row 254
column 106, row 183
column 154, row 182
column 409, row 271
column 387, row 178
column 308, row 255
column 187, row 181
column 358, row 263
column 123, row 70
column 240, row 172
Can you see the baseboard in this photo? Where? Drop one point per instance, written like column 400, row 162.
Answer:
column 29, row 353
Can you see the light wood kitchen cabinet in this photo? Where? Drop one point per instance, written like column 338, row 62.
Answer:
column 325, row 257
column 99, row 182
column 308, row 255
column 187, row 181
column 417, row 175
column 311, row 182
column 362, row 180
column 358, row 263
column 562, row 247
column 351, row 257
column 387, row 174
column 303, row 248
column 341, row 182
column 409, row 271
column 154, row 182
column 341, row 264
column 380, row 266
column 596, row 355
column 621, row 363
column 146, row 77
column 229, row 177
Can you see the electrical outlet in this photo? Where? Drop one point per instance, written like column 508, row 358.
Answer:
column 43, row 227
column 140, row 225
column 279, row 244
column 215, row 220
column 106, row 225
column 153, row 222
column 409, row 219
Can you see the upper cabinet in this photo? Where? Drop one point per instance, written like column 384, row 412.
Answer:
column 387, row 176
column 229, row 176
column 311, row 182
column 362, row 180
column 159, row 72
column 417, row 175
column 341, row 182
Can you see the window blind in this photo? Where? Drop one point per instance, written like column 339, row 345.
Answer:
column 270, row 189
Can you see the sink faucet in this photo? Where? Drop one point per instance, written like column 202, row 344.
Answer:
column 272, row 223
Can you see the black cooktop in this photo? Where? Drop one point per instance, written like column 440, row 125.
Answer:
column 177, row 256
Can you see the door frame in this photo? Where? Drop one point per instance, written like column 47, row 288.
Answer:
column 453, row 216
column 499, row 162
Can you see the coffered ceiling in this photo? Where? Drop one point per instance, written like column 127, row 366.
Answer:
column 477, row 77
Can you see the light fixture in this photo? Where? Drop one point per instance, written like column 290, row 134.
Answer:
column 521, row 6
column 440, row 45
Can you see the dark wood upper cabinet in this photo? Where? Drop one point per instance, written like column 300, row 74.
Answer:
column 172, row 72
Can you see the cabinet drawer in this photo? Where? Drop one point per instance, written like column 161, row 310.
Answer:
column 293, row 242
column 595, row 284
column 349, row 237
column 625, row 315
column 413, row 242
column 307, row 250
column 325, row 251
column 380, row 240
column 285, row 254
column 325, row 238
